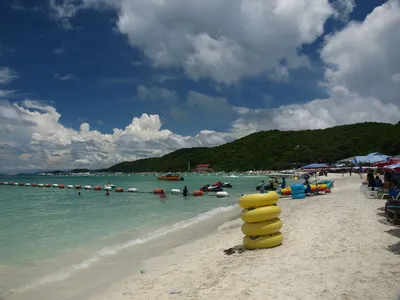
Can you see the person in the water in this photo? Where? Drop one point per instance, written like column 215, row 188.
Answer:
column 185, row 191
column 107, row 193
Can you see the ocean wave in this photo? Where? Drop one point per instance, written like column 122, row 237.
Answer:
column 86, row 263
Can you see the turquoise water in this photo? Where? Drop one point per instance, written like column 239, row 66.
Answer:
column 39, row 224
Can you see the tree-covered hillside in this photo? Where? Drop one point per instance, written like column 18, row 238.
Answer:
column 279, row 149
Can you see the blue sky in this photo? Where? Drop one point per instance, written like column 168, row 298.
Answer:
column 89, row 63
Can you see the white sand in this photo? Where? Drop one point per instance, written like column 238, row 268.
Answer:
column 336, row 247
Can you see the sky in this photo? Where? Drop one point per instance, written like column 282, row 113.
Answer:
column 90, row 83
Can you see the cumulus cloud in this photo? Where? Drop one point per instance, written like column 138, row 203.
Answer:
column 223, row 40
column 364, row 57
column 31, row 131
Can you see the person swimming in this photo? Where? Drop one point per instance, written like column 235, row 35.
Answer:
column 107, row 193
column 185, row 191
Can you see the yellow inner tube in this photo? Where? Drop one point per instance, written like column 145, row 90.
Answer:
column 260, row 214
column 258, row 200
column 263, row 241
column 262, row 228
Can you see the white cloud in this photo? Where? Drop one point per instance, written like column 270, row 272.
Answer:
column 223, row 40
column 156, row 94
column 364, row 56
column 31, row 132
column 7, row 75
column 66, row 77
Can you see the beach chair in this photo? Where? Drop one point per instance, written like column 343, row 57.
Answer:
column 394, row 194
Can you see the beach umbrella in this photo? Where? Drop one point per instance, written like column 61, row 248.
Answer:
column 316, row 166
column 394, row 167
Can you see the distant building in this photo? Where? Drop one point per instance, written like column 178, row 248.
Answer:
column 203, row 168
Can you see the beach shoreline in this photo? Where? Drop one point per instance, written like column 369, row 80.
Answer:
column 337, row 246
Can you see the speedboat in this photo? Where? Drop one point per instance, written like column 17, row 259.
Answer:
column 170, row 177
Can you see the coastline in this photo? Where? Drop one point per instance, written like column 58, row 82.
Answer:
column 337, row 246
column 94, row 275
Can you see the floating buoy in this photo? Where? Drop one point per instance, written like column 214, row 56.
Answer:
column 55, row 185
column 132, row 190
column 16, row 183
column 119, row 190
column 11, row 183
column 78, row 186
column 21, row 184
column 175, row 191
column 40, row 185
column 47, row 185
column 97, row 188
column 222, row 194
column 61, row 186
column 198, row 193
column 70, row 186
column 1, row 183
column 34, row 184
column 5, row 183
column 88, row 187
column 158, row 191
column 27, row 184
column 108, row 188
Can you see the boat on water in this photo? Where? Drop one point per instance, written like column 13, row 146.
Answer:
column 170, row 177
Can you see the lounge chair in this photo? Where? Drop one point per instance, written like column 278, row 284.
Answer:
column 394, row 194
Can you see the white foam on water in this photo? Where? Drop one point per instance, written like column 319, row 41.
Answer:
column 70, row 270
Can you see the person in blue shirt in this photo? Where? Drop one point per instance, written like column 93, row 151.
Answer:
column 283, row 183
column 378, row 182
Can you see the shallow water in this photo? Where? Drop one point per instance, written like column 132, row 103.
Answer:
column 50, row 234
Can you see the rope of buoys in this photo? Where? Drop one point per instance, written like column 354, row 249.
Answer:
column 156, row 191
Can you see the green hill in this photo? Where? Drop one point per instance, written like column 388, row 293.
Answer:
column 278, row 149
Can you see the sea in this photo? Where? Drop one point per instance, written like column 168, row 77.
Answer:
column 55, row 244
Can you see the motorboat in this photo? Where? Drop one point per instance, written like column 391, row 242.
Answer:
column 170, row 177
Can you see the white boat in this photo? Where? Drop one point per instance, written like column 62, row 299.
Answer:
column 27, row 184
column 16, row 183
column 70, row 186
column 132, row 190
column 55, row 185
column 40, row 185
column 88, row 187
column 5, row 183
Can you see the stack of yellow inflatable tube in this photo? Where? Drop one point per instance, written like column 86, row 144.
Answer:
column 262, row 223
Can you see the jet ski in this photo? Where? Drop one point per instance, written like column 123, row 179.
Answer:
column 208, row 188
column 225, row 184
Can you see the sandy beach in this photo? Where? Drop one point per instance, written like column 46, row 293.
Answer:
column 337, row 246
